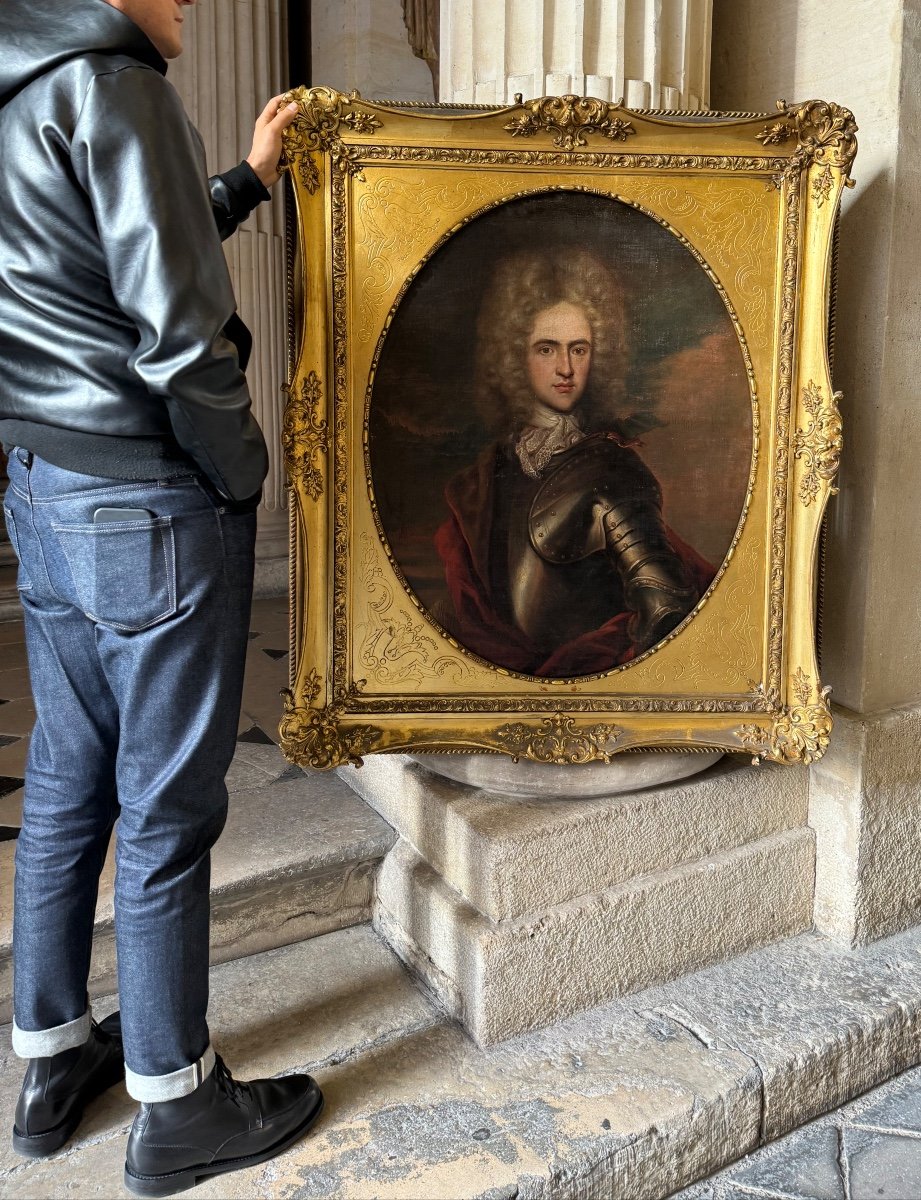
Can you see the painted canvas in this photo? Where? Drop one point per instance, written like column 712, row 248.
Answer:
column 560, row 434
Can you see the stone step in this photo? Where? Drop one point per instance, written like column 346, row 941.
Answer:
column 635, row 1099
column 297, row 858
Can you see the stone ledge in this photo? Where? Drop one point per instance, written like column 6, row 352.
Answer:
column 508, row 856
column 636, row 1099
column 501, row 978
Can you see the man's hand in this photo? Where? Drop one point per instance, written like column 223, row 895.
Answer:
column 266, row 152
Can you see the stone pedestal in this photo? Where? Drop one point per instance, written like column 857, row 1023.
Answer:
column 518, row 913
column 501, row 776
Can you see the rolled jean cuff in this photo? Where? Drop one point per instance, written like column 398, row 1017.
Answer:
column 154, row 1089
column 46, row 1042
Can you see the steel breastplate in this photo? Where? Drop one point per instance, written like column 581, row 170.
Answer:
column 550, row 603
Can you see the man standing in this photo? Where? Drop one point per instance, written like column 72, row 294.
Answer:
column 135, row 473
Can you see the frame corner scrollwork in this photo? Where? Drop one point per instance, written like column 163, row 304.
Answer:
column 826, row 135
column 799, row 733
column 316, row 737
column 324, row 114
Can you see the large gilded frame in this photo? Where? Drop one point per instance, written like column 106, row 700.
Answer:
column 370, row 673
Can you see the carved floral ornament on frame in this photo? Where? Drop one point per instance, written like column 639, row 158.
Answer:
column 560, row 428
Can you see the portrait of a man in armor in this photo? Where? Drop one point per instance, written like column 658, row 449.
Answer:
column 557, row 557
column 560, row 435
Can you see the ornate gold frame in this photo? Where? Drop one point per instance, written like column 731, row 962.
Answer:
column 370, row 673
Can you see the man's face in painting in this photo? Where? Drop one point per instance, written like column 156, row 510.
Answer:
column 161, row 20
column 559, row 356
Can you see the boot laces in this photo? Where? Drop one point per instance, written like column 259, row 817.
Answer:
column 238, row 1092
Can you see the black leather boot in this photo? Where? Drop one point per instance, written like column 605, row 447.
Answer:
column 57, row 1089
column 222, row 1126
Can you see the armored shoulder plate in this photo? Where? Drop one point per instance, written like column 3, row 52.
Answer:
column 566, row 518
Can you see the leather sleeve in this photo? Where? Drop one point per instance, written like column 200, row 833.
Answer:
column 234, row 195
column 139, row 162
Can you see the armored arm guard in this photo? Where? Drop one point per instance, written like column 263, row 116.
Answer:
column 655, row 582
column 603, row 497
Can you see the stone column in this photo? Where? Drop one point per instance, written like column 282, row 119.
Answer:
column 649, row 53
column 235, row 60
column 866, row 793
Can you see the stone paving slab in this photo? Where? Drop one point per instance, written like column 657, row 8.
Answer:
column 824, row 1023
column 414, row 1109
column 866, row 1149
column 631, row 1101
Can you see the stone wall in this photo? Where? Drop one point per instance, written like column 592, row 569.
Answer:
column 866, row 794
column 362, row 44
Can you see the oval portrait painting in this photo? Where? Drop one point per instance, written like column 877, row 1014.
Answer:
column 560, row 434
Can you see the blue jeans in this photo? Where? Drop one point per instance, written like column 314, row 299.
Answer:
column 136, row 635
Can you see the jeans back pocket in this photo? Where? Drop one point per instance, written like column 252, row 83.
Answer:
column 124, row 572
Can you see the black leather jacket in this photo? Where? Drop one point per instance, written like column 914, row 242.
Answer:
column 115, row 297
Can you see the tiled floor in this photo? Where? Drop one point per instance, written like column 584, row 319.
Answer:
column 266, row 675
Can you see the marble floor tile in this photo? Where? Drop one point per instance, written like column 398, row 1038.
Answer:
column 883, row 1166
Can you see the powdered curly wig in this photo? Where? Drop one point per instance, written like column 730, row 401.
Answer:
column 523, row 285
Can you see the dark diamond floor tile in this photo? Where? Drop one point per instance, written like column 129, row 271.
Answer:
column 255, row 736
column 7, row 739
column 8, row 833
column 276, row 654
column 254, row 633
column 8, row 784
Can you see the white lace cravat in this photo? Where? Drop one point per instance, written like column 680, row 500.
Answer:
column 547, row 433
